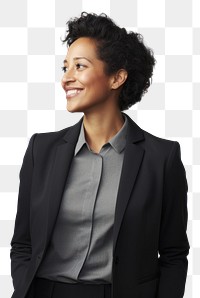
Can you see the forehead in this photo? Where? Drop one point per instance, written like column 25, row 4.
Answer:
column 83, row 46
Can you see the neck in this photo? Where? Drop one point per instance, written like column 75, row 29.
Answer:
column 99, row 129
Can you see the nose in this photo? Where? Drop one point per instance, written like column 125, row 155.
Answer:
column 68, row 76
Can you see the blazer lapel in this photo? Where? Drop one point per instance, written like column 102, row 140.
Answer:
column 60, row 170
column 133, row 156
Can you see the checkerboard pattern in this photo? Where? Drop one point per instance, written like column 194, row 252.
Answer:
column 32, row 100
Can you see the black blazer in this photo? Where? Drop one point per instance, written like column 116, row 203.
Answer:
column 150, row 243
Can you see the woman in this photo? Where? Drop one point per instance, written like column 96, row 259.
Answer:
column 102, row 207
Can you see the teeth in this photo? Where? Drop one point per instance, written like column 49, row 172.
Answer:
column 73, row 92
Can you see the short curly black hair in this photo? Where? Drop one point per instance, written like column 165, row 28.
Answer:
column 119, row 49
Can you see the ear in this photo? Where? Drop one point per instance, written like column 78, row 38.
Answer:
column 119, row 78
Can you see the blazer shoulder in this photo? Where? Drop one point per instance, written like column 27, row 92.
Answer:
column 159, row 146
column 153, row 138
column 52, row 136
column 48, row 137
column 152, row 144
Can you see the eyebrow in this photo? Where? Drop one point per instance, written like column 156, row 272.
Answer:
column 77, row 58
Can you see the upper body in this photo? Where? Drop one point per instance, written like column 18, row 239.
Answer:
column 149, row 199
column 86, row 216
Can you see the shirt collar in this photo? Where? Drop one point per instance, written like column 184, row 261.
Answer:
column 118, row 141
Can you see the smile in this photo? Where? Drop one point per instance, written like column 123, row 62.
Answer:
column 72, row 92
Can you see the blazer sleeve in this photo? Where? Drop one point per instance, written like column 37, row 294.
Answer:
column 20, row 252
column 173, row 242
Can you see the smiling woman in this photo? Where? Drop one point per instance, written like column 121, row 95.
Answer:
column 106, row 70
column 106, row 222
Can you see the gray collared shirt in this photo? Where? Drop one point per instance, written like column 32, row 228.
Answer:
column 81, row 246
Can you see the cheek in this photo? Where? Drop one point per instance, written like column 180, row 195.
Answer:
column 88, row 79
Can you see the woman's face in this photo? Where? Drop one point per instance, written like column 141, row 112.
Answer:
column 87, row 86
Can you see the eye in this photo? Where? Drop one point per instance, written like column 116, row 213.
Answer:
column 64, row 68
column 80, row 66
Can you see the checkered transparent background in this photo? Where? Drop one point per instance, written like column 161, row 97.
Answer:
column 32, row 100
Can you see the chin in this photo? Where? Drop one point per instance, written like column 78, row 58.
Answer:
column 73, row 110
